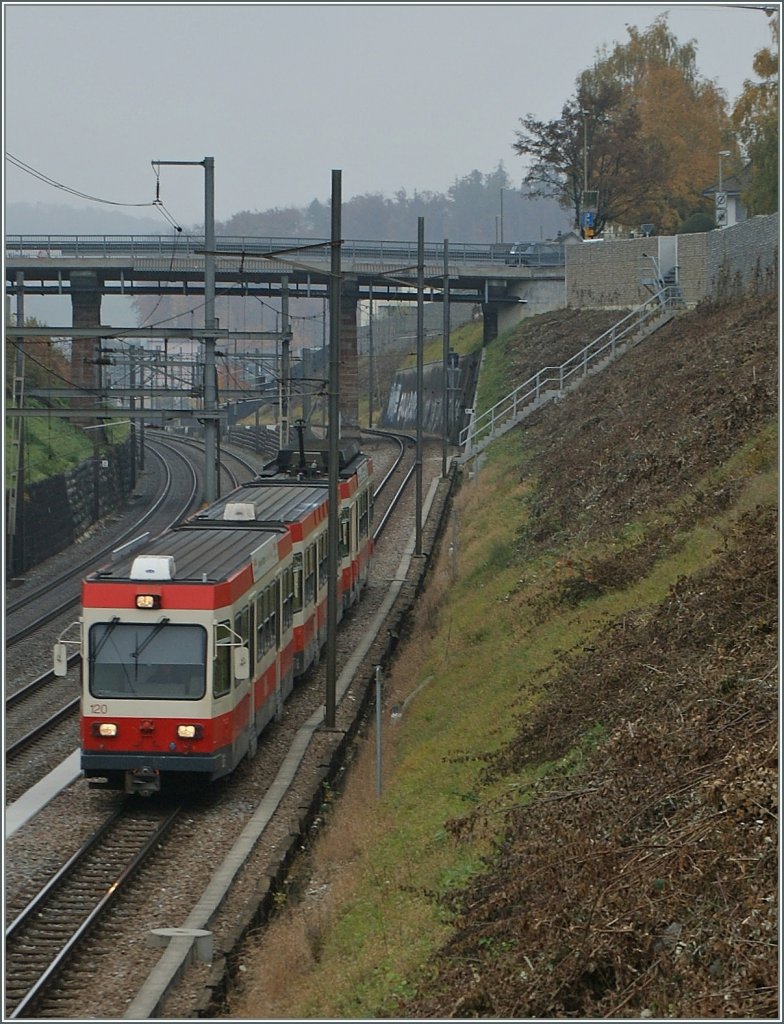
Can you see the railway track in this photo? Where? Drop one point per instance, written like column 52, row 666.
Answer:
column 40, row 940
column 60, row 593
column 57, row 972
column 30, row 719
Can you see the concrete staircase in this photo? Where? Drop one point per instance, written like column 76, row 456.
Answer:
column 553, row 382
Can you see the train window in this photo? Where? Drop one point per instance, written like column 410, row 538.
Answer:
column 287, row 608
column 260, row 646
column 156, row 660
column 323, row 559
column 297, row 580
column 221, row 665
column 345, row 532
column 310, row 573
column 364, row 513
column 267, row 619
column 354, row 528
column 242, row 627
column 251, row 638
column 275, row 616
column 221, row 672
column 271, row 620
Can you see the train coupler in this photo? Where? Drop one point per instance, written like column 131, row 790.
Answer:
column 144, row 781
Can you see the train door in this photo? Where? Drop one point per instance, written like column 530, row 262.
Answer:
column 245, row 738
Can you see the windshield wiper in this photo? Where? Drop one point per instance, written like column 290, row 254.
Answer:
column 99, row 647
column 158, row 627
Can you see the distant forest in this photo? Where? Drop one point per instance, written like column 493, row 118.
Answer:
column 479, row 207
column 476, row 208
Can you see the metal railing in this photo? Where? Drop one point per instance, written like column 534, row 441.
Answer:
column 553, row 380
column 58, row 246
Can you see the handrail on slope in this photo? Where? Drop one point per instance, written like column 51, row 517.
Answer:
column 482, row 428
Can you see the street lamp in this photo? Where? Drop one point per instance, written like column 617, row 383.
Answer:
column 721, row 195
column 502, row 214
column 723, row 152
column 584, row 114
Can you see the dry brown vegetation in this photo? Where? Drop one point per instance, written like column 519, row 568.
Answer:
column 636, row 875
column 639, row 876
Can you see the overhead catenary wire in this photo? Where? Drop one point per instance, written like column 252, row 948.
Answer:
column 28, row 169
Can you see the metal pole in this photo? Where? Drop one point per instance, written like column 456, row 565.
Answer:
column 211, row 491
column 334, row 451
column 210, row 324
column 502, row 214
column 16, row 516
column 370, row 357
column 585, row 153
column 378, row 730
column 132, row 405
column 419, row 376
column 285, row 369
column 445, row 397
column 324, row 363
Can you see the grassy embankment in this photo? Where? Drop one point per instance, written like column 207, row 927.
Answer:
column 376, row 906
column 53, row 445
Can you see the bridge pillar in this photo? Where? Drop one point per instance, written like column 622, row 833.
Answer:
column 489, row 322
column 349, row 372
column 85, row 312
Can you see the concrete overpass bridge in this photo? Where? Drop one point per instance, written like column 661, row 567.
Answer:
column 87, row 267
column 174, row 264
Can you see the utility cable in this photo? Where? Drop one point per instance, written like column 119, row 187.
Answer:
column 22, row 166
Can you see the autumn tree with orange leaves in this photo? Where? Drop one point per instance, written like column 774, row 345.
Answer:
column 756, row 121
column 654, row 128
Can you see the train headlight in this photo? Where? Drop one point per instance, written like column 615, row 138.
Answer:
column 148, row 601
column 104, row 729
column 190, row 732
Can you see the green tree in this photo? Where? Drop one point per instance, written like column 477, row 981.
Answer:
column 605, row 150
column 756, row 121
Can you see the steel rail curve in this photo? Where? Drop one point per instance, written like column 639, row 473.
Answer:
column 35, row 947
column 78, row 570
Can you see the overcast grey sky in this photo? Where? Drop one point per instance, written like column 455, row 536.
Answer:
column 396, row 96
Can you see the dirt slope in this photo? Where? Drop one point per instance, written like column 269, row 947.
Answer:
column 643, row 882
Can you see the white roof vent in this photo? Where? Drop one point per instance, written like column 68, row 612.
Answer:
column 239, row 510
column 153, row 567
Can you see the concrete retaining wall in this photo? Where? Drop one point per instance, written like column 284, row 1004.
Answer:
column 400, row 412
column 742, row 259
column 58, row 510
column 541, row 296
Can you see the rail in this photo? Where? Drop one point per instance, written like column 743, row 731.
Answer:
column 553, row 380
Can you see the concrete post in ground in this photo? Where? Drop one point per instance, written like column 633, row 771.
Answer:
column 349, row 375
column 308, row 385
column 86, row 293
column 489, row 323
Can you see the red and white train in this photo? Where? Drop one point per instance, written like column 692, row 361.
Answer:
column 190, row 647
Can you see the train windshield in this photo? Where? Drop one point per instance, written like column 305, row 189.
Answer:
column 156, row 660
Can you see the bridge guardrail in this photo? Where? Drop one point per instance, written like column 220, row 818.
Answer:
column 51, row 246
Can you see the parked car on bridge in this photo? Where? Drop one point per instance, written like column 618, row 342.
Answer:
column 535, row 254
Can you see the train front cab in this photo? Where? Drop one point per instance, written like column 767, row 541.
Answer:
column 156, row 701
column 177, row 693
